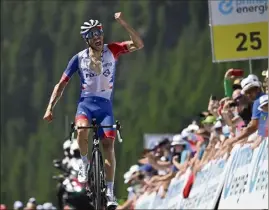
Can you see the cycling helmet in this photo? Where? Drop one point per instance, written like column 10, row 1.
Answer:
column 85, row 28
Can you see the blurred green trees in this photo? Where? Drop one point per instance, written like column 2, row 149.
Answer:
column 158, row 89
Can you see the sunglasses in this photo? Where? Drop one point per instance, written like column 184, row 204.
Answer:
column 93, row 33
column 237, row 99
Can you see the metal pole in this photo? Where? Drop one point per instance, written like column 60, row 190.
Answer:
column 211, row 31
column 250, row 66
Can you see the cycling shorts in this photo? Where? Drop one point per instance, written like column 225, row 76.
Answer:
column 100, row 109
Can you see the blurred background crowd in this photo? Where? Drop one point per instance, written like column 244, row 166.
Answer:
column 31, row 204
column 244, row 104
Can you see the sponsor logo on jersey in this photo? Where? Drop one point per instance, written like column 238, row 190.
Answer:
column 106, row 73
column 106, row 65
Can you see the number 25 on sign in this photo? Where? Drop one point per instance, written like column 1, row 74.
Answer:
column 240, row 41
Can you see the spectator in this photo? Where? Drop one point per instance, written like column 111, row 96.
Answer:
column 263, row 126
column 32, row 200
column 243, row 105
column 18, row 205
column 31, row 204
column 128, row 175
column 132, row 177
column 237, row 112
column 180, row 154
column 3, row 207
column 213, row 106
column 251, row 87
column 209, row 122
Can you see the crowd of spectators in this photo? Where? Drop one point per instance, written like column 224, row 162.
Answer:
column 240, row 117
column 31, row 204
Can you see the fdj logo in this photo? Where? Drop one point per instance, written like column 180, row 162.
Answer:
column 106, row 73
column 226, row 6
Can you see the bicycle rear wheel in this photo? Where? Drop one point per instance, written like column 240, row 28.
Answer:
column 97, row 181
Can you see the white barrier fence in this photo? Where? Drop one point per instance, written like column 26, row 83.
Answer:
column 241, row 181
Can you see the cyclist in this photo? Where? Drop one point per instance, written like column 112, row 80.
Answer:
column 96, row 68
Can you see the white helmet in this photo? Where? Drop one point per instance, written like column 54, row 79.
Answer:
column 177, row 140
column 74, row 146
column 66, row 144
column 193, row 127
column 185, row 133
column 85, row 28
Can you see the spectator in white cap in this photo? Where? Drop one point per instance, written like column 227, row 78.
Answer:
column 129, row 174
column 18, row 205
column 30, row 206
column 47, row 206
column 181, row 155
column 251, row 87
column 193, row 128
column 32, row 200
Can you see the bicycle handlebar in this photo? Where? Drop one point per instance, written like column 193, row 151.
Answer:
column 117, row 126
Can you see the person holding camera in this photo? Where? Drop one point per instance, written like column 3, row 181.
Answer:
column 229, row 84
column 237, row 111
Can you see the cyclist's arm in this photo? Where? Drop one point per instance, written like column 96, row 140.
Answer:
column 136, row 43
column 59, row 87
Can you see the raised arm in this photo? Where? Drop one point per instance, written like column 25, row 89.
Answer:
column 136, row 42
column 59, row 87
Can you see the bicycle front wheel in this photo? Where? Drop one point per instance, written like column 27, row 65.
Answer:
column 97, row 181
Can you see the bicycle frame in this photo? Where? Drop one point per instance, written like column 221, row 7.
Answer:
column 97, row 164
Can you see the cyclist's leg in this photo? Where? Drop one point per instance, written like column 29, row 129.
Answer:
column 107, row 136
column 83, row 118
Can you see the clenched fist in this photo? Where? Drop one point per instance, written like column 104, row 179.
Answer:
column 119, row 17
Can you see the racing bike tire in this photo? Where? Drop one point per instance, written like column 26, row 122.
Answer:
column 97, row 181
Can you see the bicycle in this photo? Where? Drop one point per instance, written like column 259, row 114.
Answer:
column 96, row 177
